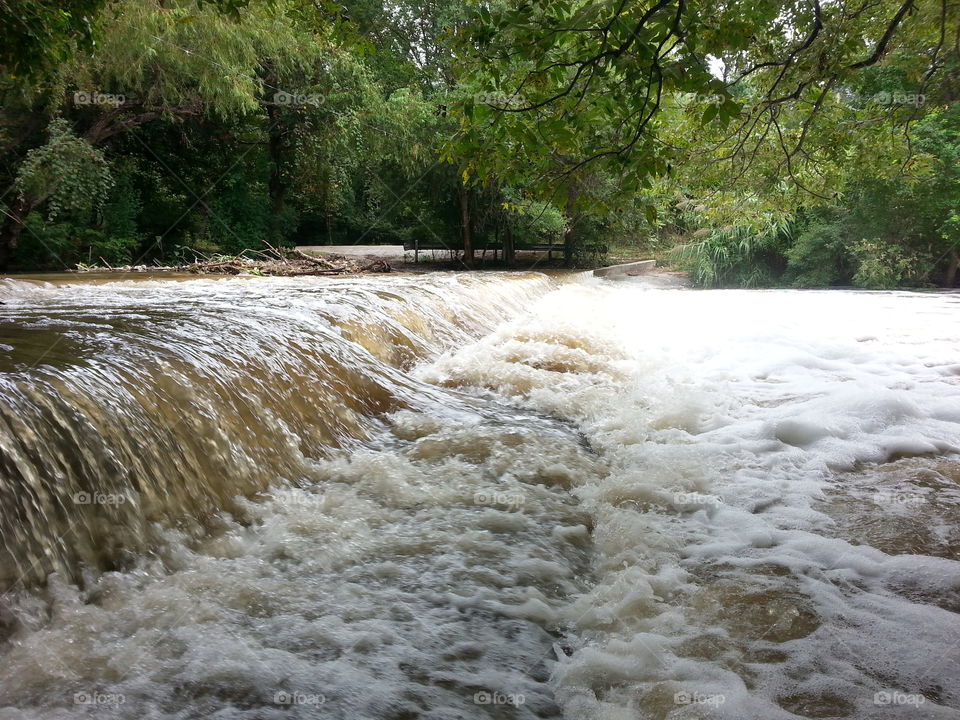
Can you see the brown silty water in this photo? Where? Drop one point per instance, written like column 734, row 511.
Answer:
column 470, row 496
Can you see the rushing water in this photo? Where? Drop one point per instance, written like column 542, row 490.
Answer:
column 477, row 496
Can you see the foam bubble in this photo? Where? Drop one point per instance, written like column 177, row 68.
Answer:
column 628, row 502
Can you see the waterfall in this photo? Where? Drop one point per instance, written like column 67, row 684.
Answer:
column 133, row 403
column 460, row 495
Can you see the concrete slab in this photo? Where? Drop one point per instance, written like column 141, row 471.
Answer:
column 626, row 269
column 381, row 252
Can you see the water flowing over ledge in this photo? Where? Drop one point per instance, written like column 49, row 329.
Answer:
column 478, row 496
column 134, row 402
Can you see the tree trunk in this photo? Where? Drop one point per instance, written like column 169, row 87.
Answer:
column 12, row 229
column 951, row 278
column 276, row 185
column 508, row 248
column 569, row 237
column 465, row 233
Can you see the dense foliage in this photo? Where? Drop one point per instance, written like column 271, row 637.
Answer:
column 752, row 142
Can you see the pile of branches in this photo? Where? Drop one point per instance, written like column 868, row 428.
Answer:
column 275, row 261
column 283, row 261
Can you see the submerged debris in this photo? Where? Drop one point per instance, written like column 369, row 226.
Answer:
column 275, row 261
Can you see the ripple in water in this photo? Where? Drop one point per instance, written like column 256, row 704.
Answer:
column 375, row 499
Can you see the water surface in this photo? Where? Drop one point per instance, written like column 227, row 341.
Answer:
column 468, row 496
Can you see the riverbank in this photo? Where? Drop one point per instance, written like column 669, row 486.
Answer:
column 334, row 260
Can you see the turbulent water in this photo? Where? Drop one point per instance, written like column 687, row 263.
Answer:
column 477, row 496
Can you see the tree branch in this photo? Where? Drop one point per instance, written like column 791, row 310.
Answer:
column 881, row 48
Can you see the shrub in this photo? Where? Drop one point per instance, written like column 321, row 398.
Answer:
column 883, row 266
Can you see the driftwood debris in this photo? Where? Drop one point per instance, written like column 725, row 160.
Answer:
column 275, row 261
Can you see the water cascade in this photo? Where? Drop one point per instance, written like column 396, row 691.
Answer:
column 477, row 496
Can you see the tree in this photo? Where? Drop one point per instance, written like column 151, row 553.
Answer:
column 36, row 34
column 67, row 173
column 170, row 62
column 589, row 83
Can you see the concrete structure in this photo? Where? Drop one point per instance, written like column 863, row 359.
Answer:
column 380, row 252
column 613, row 272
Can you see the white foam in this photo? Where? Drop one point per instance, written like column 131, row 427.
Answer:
column 662, row 547
column 752, row 404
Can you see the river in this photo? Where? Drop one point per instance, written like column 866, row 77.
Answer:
column 467, row 496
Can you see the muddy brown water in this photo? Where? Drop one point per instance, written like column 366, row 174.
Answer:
column 476, row 496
